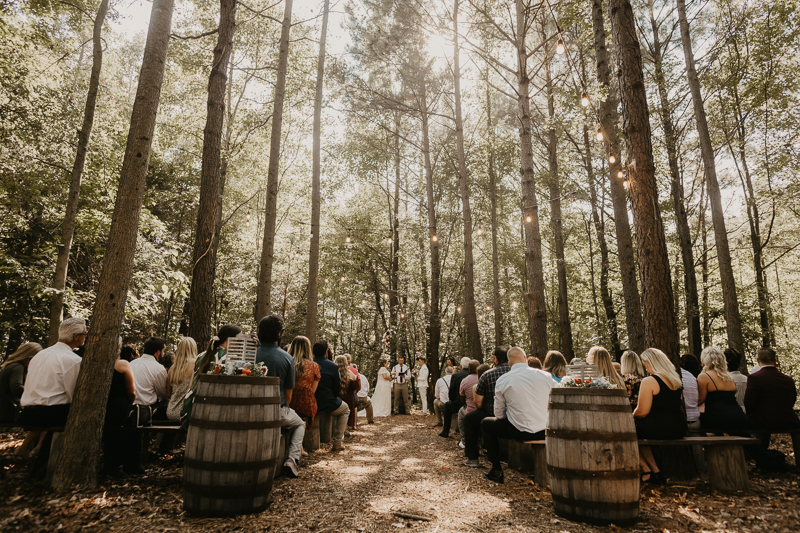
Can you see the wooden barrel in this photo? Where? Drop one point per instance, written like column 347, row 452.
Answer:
column 232, row 445
column 592, row 455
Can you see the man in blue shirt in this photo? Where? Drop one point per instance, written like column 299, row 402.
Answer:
column 327, row 393
column 281, row 365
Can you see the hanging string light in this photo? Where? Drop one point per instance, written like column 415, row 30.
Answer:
column 434, row 238
column 599, row 135
column 389, row 240
column 528, row 219
column 458, row 309
column 480, row 231
column 247, row 222
column 585, row 100
column 612, row 159
column 343, row 278
column 560, row 48
column 347, row 239
column 620, row 174
column 402, row 315
column 514, row 303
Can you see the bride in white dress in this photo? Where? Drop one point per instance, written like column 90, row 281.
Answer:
column 382, row 398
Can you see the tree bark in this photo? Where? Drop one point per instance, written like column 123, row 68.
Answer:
column 78, row 460
column 394, row 256
column 470, row 313
column 201, row 296
column 313, row 254
column 498, row 310
column 434, row 322
column 71, row 214
column 661, row 330
column 537, row 307
column 609, row 120
column 733, row 321
column 694, row 333
column 264, row 291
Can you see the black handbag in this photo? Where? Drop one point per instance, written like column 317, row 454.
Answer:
column 139, row 416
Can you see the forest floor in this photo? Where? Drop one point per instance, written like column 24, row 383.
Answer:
column 396, row 465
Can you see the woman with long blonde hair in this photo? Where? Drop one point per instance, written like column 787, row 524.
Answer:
column 307, row 377
column 179, row 376
column 599, row 356
column 717, row 390
column 659, row 413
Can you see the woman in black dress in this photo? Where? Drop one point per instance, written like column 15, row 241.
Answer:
column 658, row 414
column 717, row 390
column 117, row 448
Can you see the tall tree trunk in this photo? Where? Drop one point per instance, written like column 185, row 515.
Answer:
column 394, row 256
column 733, row 321
column 676, row 188
column 71, row 214
column 201, row 296
column 264, row 291
column 554, row 186
column 313, row 254
column 470, row 313
column 78, row 461
column 661, row 330
column 537, row 307
column 434, row 322
column 705, row 310
column 609, row 120
column 498, row 310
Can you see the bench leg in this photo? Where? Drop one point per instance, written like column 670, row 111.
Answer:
column 311, row 438
column 727, row 469
column 514, row 454
column 540, row 475
column 282, row 454
column 55, row 451
column 325, row 426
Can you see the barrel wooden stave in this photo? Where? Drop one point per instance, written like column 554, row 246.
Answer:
column 593, row 474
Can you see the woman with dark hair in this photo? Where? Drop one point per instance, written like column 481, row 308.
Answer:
column 555, row 363
column 129, row 353
column 691, row 364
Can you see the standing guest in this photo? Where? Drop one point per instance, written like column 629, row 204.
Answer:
column 401, row 373
column 556, row 365
column 466, row 392
column 129, row 353
column 118, row 447
column 281, row 365
column 451, row 362
column 349, row 385
column 50, row 384
column 307, row 377
column 658, row 414
column 691, row 363
column 599, row 356
column 179, row 376
column 352, row 391
column 733, row 358
column 422, row 384
column 690, row 399
column 12, row 385
column 770, row 398
column 441, row 394
column 633, row 374
column 327, row 393
column 363, row 398
column 520, row 409
column 382, row 398
column 454, row 397
column 167, row 361
column 717, row 390
column 484, row 401
column 534, row 362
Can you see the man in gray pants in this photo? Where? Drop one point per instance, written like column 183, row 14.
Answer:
column 327, row 393
column 401, row 374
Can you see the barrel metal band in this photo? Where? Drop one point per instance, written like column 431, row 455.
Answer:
column 212, row 466
column 216, row 424
column 227, row 493
column 257, row 400
column 583, row 391
column 602, row 436
column 626, row 408
column 240, row 380
column 573, row 473
column 586, row 504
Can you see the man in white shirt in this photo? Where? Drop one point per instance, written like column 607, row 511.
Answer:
column 401, row 373
column 733, row 358
column 520, row 409
column 364, row 401
column 50, row 385
column 150, row 375
column 422, row 384
column 441, row 394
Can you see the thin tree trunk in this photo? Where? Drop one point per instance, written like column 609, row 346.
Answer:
column 71, row 214
column 498, row 311
column 661, row 330
column 598, row 327
column 435, row 325
column 470, row 313
column 537, row 306
column 609, row 120
column 264, row 291
column 676, row 186
column 201, row 296
column 704, row 271
column 554, row 186
column 78, row 461
column 313, row 254
column 733, row 321
column 394, row 256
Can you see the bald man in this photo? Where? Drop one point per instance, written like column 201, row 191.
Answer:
column 520, row 409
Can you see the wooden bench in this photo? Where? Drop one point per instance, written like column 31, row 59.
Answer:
column 529, row 457
column 794, row 433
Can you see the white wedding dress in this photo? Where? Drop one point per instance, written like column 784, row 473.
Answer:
column 382, row 398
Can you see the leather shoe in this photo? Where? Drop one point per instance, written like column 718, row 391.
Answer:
column 444, row 435
column 495, row 476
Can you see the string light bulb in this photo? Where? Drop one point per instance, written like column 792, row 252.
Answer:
column 612, row 159
column 458, row 309
column 528, row 219
column 488, row 308
column 389, row 240
column 347, row 239
column 585, row 100
column 620, row 174
column 480, row 230
column 443, row 321
column 363, row 302
column 343, row 278
column 514, row 303
column 560, row 48
column 423, row 304
column 296, row 254
column 385, row 294
column 402, row 315
column 247, row 222
column 434, row 238
column 599, row 135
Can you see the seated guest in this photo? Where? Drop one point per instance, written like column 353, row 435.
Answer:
column 659, row 414
column 690, row 399
column 484, row 403
column 362, row 396
column 179, row 376
column 12, row 385
column 352, row 396
column 129, row 353
column 307, row 378
column 350, row 384
column 691, row 364
column 167, row 360
column 520, row 409
column 770, row 397
column 534, row 362
column 633, row 374
column 733, row 359
column 281, row 365
column 441, row 393
column 151, row 377
column 118, row 447
column 466, row 394
column 454, row 398
column 556, row 365
column 599, row 356
column 50, row 384
column 717, row 390
column 327, row 393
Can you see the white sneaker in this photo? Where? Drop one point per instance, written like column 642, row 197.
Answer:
column 461, row 444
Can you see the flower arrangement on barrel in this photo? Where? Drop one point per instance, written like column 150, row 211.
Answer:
column 238, row 368
column 588, row 383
